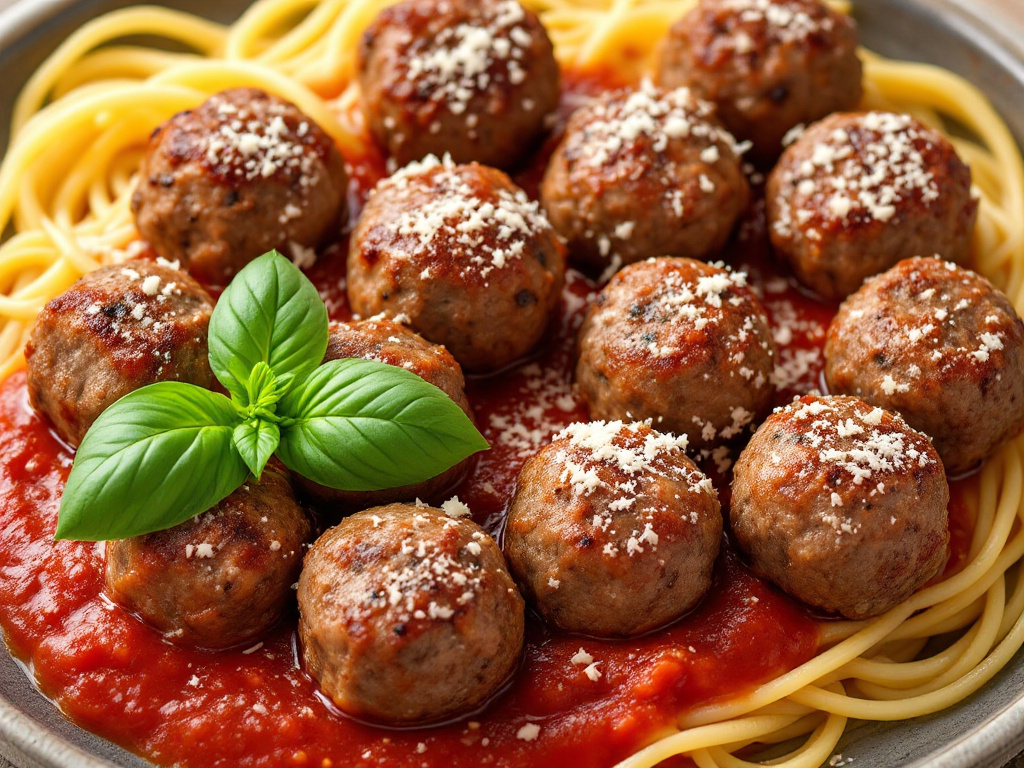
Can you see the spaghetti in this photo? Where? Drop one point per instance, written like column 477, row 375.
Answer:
column 80, row 127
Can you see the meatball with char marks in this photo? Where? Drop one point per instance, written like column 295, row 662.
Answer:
column 462, row 256
column 767, row 65
column 644, row 173
column 940, row 345
column 680, row 342
column 242, row 174
column 388, row 342
column 474, row 79
column 842, row 505
column 117, row 329
column 612, row 530
column 408, row 616
column 859, row 192
column 223, row 577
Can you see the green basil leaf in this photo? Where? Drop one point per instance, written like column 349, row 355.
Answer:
column 263, row 390
column 360, row 425
column 269, row 313
column 256, row 441
column 157, row 457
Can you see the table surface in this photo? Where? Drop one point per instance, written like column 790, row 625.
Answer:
column 1012, row 12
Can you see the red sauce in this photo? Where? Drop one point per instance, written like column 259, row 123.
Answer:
column 113, row 675
column 961, row 525
column 256, row 707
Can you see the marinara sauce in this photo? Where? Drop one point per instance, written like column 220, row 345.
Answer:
column 256, row 706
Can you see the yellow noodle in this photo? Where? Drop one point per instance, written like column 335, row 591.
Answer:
column 115, row 62
column 201, row 35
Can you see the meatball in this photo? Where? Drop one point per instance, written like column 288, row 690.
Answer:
column 680, row 342
column 859, row 192
column 842, row 505
column 390, row 343
column 475, row 79
column 221, row 578
column 408, row 616
column 941, row 346
column 767, row 65
column 612, row 530
column 462, row 256
column 116, row 330
column 244, row 173
column 644, row 173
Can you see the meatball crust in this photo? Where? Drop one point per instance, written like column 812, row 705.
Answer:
column 388, row 342
column 223, row 577
column 117, row 329
column 642, row 173
column 242, row 174
column 407, row 615
column 842, row 505
column 612, row 530
column 683, row 343
column 940, row 345
column 767, row 65
column 462, row 256
column 474, row 79
column 857, row 193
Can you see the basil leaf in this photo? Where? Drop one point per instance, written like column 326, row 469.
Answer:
column 269, row 313
column 360, row 425
column 263, row 390
column 157, row 457
column 256, row 441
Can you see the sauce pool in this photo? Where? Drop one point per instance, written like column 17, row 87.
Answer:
column 255, row 706
column 113, row 675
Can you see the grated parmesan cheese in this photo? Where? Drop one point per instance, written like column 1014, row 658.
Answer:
column 609, row 459
column 443, row 213
column 646, row 117
column 776, row 19
column 455, row 508
column 469, row 62
column 528, row 732
column 418, row 584
column 582, row 658
column 852, row 445
column 856, row 175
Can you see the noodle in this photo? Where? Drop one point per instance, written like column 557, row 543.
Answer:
column 82, row 121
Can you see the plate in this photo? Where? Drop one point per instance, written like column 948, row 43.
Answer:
column 983, row 731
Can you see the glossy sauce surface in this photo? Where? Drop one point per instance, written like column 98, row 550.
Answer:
column 257, row 707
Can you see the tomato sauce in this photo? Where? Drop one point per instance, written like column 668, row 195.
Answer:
column 256, row 706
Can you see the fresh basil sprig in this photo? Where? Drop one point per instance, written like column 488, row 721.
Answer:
column 166, row 452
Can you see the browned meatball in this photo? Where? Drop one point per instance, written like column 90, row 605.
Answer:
column 612, row 530
column 471, row 78
column 407, row 615
column 116, row 330
column 859, row 192
column 941, row 346
column 644, row 173
column 221, row 578
column 391, row 343
column 460, row 255
column 680, row 342
column 842, row 505
column 243, row 173
column 767, row 65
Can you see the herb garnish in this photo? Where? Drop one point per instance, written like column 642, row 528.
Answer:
column 169, row 451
